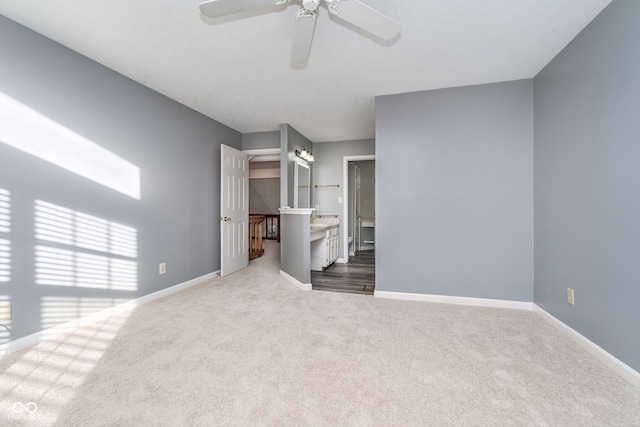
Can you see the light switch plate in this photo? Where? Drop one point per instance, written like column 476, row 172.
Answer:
column 571, row 296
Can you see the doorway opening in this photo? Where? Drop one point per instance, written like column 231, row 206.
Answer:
column 354, row 272
column 359, row 205
column 264, row 199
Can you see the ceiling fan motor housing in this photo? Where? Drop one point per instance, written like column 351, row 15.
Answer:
column 310, row 5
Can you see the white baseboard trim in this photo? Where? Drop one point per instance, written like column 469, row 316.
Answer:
column 443, row 299
column 621, row 368
column 342, row 260
column 299, row 284
column 47, row 334
column 173, row 289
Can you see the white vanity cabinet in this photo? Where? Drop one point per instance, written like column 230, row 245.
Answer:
column 324, row 247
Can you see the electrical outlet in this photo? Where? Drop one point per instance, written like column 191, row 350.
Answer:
column 570, row 296
column 317, row 207
column 5, row 310
column 163, row 268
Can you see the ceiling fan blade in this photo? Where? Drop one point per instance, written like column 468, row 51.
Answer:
column 367, row 18
column 217, row 8
column 302, row 37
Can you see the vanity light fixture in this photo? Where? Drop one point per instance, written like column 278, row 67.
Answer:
column 305, row 154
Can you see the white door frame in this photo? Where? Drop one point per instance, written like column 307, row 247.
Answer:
column 264, row 154
column 345, row 200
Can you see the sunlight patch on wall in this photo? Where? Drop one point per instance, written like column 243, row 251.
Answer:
column 60, row 267
column 5, row 227
column 5, row 211
column 84, row 250
column 30, row 131
column 5, row 260
column 62, row 225
column 58, row 310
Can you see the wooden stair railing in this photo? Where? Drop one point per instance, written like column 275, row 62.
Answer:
column 271, row 227
column 255, row 236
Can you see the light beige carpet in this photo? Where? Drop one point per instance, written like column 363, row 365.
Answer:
column 252, row 349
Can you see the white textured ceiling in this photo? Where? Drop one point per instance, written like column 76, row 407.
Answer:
column 237, row 71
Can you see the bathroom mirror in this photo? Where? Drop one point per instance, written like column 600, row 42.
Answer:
column 302, row 185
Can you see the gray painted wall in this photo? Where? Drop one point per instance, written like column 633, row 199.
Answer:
column 454, row 202
column 261, row 140
column 176, row 149
column 295, row 242
column 587, row 182
column 328, row 169
column 264, row 196
column 264, row 188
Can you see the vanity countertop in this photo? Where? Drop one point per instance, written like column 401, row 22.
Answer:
column 320, row 226
column 315, row 227
column 324, row 224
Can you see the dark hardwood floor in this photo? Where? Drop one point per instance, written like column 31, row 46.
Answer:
column 358, row 276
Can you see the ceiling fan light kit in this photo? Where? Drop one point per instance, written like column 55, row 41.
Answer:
column 351, row 11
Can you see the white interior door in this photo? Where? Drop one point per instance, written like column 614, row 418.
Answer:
column 234, row 210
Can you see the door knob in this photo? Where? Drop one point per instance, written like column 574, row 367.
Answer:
column 225, row 219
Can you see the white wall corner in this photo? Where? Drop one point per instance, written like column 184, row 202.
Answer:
column 296, row 282
column 621, row 368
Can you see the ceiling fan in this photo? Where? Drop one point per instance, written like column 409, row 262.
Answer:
column 352, row 11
